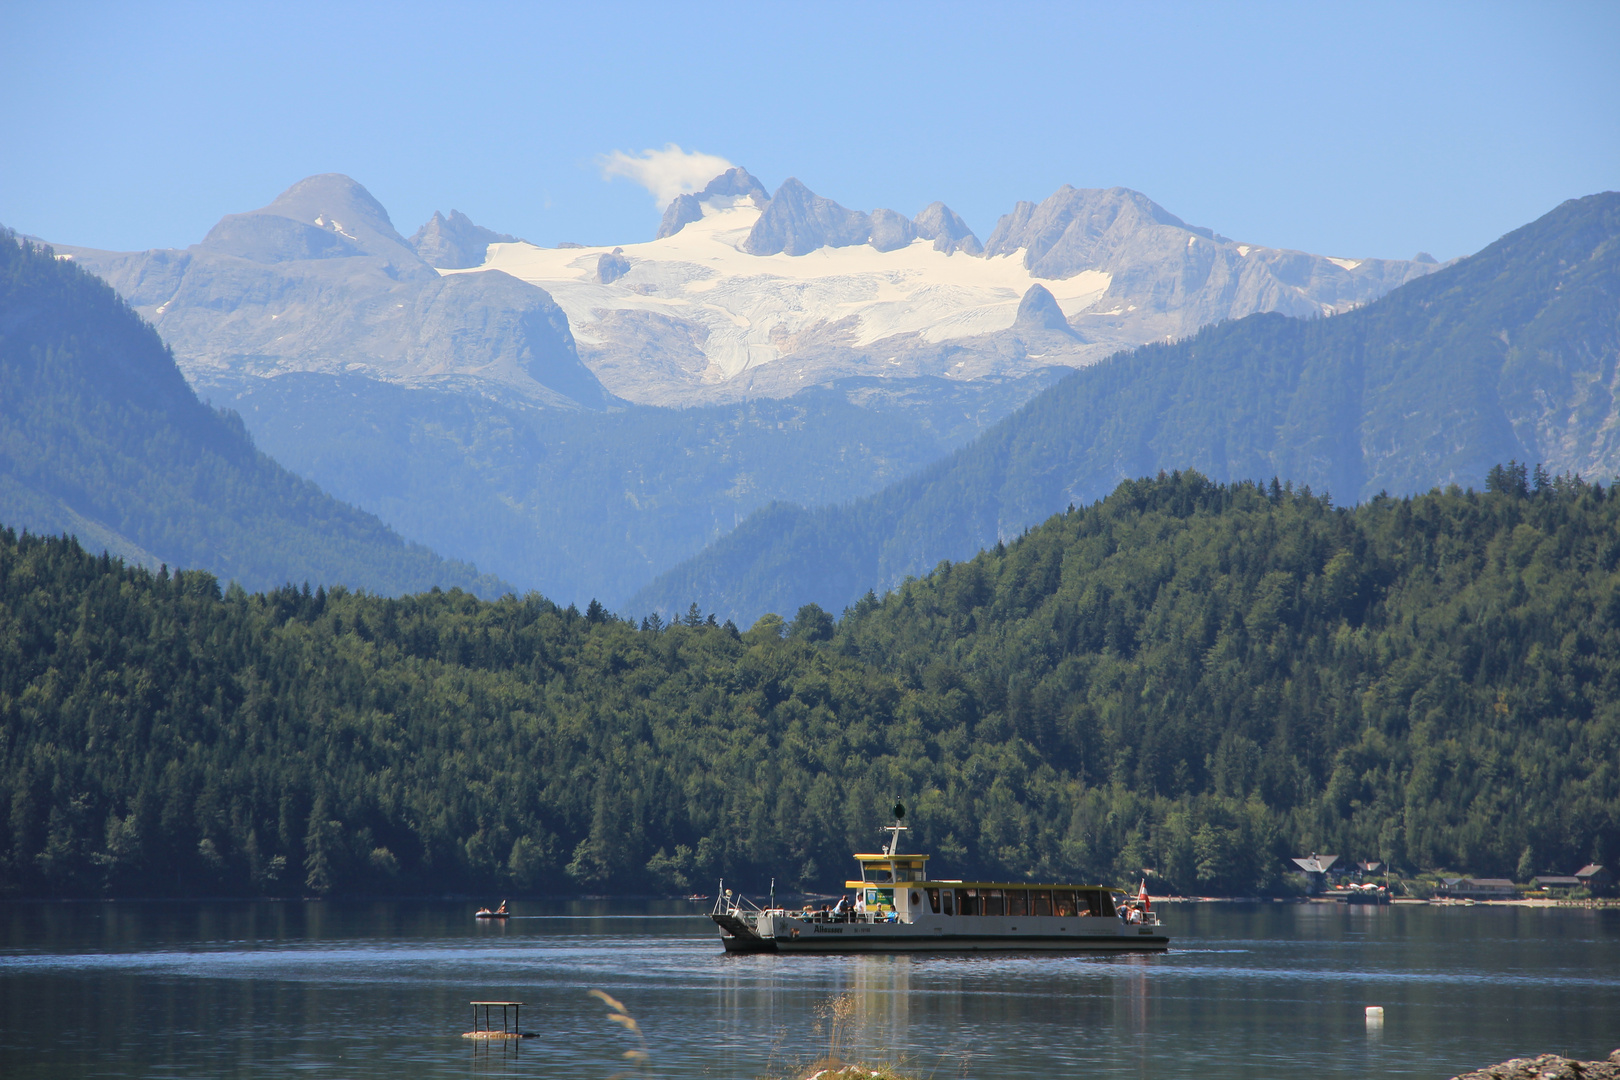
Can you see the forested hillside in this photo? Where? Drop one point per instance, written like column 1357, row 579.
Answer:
column 1191, row 677
column 1508, row 354
column 101, row 437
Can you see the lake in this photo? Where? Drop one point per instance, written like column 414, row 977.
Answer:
column 380, row 989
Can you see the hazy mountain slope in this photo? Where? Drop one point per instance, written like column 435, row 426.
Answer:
column 101, row 437
column 319, row 280
column 1513, row 353
column 584, row 505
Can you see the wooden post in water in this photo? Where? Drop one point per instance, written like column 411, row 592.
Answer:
column 488, row 1030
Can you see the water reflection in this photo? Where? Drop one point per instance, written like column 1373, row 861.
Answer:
column 381, row 990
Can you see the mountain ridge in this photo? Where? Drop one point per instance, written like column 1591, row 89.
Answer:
column 101, row 436
column 319, row 280
column 1510, row 353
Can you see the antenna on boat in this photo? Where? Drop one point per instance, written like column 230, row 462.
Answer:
column 894, row 831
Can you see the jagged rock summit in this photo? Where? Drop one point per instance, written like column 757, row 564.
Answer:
column 1183, row 276
column 947, row 230
column 1039, row 310
column 454, row 242
column 733, row 184
column 320, row 281
column 797, row 221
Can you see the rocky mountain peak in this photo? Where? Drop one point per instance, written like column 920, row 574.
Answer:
column 454, row 242
column 890, row 230
column 797, row 221
column 734, row 183
column 1071, row 229
column 320, row 217
column 949, row 232
column 330, row 194
column 1039, row 310
column 611, row 266
column 737, row 182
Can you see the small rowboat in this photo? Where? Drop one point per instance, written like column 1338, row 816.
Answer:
column 696, row 897
column 498, row 913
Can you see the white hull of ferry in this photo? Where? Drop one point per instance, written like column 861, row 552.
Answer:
column 787, row 933
column 901, row 909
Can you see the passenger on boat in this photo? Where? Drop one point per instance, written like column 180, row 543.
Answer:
column 841, row 912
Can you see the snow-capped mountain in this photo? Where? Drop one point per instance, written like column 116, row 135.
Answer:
column 741, row 295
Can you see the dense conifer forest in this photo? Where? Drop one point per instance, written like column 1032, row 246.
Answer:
column 1192, row 677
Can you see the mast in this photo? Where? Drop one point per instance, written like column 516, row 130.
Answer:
column 892, row 845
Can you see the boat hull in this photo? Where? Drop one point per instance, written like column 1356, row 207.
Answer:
column 737, row 936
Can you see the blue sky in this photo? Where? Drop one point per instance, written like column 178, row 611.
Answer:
column 1344, row 129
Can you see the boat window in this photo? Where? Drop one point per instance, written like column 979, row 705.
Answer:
column 993, row 903
column 1105, row 905
column 876, row 873
column 1091, row 902
column 933, row 900
column 1018, row 901
column 950, row 895
column 1063, row 903
column 1040, row 901
column 967, row 901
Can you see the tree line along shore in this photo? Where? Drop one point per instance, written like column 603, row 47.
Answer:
column 1192, row 679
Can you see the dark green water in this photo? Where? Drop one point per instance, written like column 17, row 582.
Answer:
column 380, row 990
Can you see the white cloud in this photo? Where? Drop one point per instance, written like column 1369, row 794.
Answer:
column 666, row 173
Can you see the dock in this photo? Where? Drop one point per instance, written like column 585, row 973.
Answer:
column 487, row 1031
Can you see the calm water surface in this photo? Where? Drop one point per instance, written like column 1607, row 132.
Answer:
column 380, row 990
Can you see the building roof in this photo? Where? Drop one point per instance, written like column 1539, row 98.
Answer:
column 1316, row 864
column 1590, row 870
column 1556, row 879
column 1370, row 867
column 1489, row 882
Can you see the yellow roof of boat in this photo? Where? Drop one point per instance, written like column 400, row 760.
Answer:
column 889, row 858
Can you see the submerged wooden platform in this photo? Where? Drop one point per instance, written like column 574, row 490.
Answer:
column 488, row 1030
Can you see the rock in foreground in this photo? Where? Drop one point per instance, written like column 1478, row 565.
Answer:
column 1549, row 1067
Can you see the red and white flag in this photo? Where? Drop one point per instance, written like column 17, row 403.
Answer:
column 1142, row 895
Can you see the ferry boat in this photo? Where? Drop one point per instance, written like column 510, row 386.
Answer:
column 901, row 909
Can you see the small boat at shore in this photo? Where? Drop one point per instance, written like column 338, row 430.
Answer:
column 697, row 898
column 496, row 913
column 900, row 908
